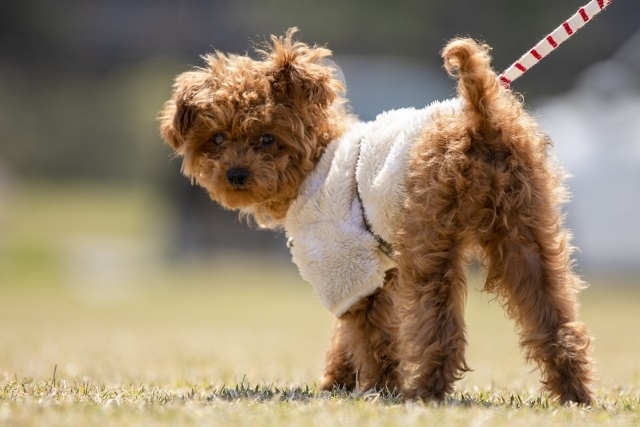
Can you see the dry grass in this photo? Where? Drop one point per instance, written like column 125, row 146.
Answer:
column 104, row 332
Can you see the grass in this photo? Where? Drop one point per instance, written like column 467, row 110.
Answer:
column 97, row 328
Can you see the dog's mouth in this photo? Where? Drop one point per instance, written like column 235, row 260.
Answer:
column 234, row 197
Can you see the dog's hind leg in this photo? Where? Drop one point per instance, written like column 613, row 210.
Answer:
column 432, row 294
column 531, row 271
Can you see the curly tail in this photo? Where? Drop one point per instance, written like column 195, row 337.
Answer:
column 478, row 85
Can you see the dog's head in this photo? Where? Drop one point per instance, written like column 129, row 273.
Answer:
column 250, row 130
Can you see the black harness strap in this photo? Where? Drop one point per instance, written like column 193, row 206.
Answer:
column 384, row 246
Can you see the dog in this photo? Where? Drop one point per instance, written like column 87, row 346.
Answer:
column 381, row 217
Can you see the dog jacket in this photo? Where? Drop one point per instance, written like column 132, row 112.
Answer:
column 344, row 220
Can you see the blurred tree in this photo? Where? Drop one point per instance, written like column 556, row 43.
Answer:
column 81, row 80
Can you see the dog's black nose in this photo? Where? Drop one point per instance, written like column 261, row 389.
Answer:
column 237, row 177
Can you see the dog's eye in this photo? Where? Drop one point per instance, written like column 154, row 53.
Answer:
column 219, row 138
column 267, row 139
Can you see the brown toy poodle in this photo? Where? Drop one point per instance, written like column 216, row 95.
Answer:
column 382, row 216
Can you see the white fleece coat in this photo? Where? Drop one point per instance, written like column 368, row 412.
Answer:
column 329, row 239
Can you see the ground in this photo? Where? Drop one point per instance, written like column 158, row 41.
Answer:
column 99, row 326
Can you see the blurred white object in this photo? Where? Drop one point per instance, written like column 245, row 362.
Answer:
column 596, row 133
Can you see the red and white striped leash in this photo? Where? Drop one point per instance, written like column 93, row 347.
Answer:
column 553, row 40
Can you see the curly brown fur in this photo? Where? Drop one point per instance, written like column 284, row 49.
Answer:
column 287, row 94
column 363, row 352
column 480, row 181
column 484, row 180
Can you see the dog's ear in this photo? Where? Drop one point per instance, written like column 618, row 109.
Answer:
column 180, row 112
column 299, row 73
column 175, row 119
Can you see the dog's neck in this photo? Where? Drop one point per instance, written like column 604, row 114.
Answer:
column 272, row 212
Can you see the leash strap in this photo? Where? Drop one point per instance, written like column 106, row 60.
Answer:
column 553, row 40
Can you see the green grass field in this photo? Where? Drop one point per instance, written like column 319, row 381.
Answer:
column 97, row 328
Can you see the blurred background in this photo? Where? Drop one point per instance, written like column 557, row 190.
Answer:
column 91, row 198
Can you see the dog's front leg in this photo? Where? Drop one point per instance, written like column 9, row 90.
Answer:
column 364, row 353
column 339, row 371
